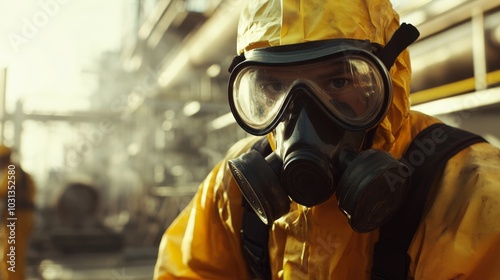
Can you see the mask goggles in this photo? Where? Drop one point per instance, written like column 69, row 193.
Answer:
column 351, row 85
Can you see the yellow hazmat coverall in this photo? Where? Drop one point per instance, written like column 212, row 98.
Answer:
column 15, row 233
column 458, row 238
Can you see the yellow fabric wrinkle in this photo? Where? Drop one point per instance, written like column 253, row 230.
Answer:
column 456, row 234
column 262, row 19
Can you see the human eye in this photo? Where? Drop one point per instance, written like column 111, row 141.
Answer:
column 272, row 89
column 338, row 83
column 336, row 80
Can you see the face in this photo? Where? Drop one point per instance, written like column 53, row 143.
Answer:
column 344, row 85
column 352, row 88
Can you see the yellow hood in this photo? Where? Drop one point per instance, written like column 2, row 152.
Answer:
column 283, row 22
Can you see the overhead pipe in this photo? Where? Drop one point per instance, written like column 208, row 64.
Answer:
column 455, row 16
column 208, row 45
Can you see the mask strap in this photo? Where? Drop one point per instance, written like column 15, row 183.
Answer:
column 368, row 141
column 236, row 60
column 402, row 38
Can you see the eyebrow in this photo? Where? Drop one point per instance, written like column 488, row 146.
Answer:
column 335, row 69
column 271, row 75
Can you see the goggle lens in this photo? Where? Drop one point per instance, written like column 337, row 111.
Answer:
column 351, row 88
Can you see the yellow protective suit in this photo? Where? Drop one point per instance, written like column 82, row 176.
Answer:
column 458, row 238
column 14, row 240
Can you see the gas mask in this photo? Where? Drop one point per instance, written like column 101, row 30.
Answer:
column 322, row 102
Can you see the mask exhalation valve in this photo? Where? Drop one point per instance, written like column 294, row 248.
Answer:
column 308, row 177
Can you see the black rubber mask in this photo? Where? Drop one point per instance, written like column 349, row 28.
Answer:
column 315, row 159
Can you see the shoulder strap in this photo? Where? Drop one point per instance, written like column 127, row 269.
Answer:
column 426, row 157
column 254, row 233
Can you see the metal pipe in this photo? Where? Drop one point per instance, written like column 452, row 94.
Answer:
column 478, row 49
column 209, row 45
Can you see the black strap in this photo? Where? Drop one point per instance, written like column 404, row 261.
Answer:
column 404, row 36
column 254, row 233
column 236, row 60
column 255, row 237
column 427, row 156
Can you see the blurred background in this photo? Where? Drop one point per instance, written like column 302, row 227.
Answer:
column 118, row 110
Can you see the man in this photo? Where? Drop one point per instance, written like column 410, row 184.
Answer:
column 325, row 83
column 16, row 214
